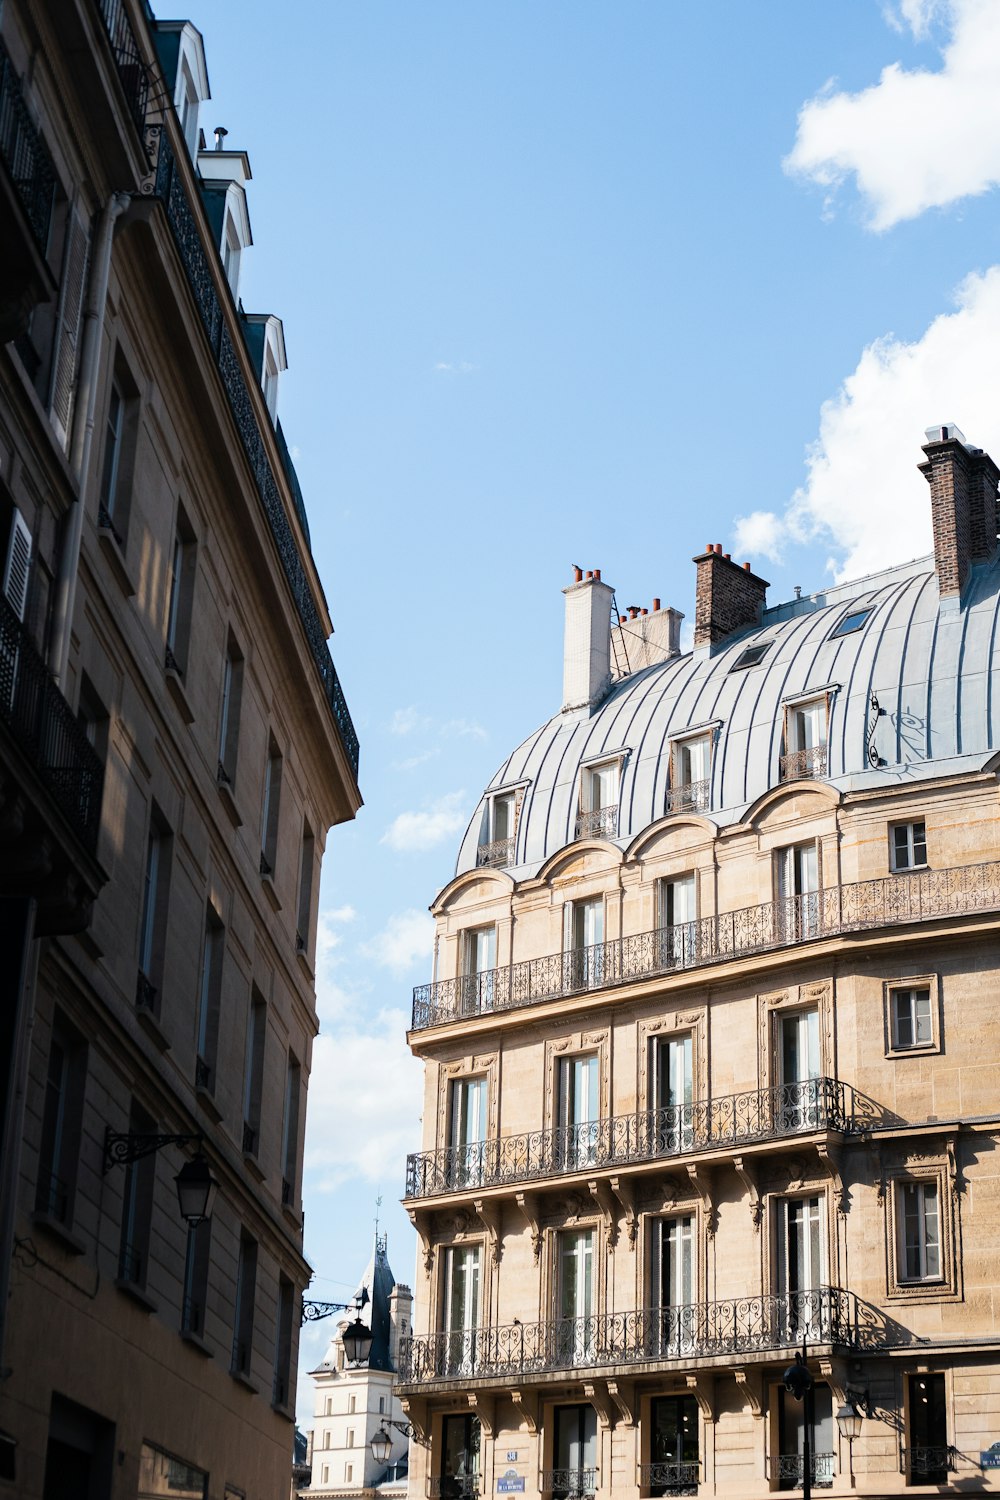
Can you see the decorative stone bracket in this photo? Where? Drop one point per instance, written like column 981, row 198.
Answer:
column 751, row 1385
column 528, row 1204
column 624, row 1190
column 596, row 1393
column 484, row 1408
column 422, row 1224
column 746, row 1171
column 701, row 1181
column 415, row 1412
column 622, row 1393
column 526, row 1406
column 489, row 1212
column 602, row 1197
column 829, row 1157
column 702, row 1388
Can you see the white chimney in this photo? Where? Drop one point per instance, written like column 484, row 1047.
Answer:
column 587, row 643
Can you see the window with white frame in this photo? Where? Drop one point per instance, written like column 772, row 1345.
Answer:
column 599, row 790
column 478, row 959
column 911, row 1019
column 690, row 774
column 460, row 1307
column 499, row 831
column 583, row 943
column 579, row 1109
column 798, row 908
column 467, row 1130
column 919, row 1230
column 677, row 920
column 909, row 845
column 232, row 249
column 806, row 726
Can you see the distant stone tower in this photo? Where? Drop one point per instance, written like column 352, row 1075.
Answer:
column 352, row 1403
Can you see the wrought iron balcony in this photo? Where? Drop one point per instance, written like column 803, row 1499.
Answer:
column 168, row 187
column 928, row 1465
column 129, row 65
column 47, row 731
column 670, row 1478
column 892, row 901
column 569, row 1484
column 453, row 1486
column 496, row 854
column 788, row 1470
column 741, row 1325
column 681, row 1130
column 23, row 153
column 690, row 796
column 802, row 765
column 602, row 823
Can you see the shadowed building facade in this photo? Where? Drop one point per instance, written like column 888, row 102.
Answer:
column 709, row 1050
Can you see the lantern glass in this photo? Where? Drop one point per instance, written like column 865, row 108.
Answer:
column 357, row 1340
column 381, row 1446
column 849, row 1421
column 196, row 1189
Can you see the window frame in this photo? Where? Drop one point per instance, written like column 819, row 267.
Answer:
column 911, row 844
column 843, row 626
column 61, row 1123
column 681, row 795
column 911, row 984
column 598, row 822
column 742, row 665
column 919, row 1187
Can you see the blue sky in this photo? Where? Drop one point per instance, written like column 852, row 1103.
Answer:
column 576, row 282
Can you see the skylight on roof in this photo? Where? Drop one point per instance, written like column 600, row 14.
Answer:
column 851, row 622
column 751, row 656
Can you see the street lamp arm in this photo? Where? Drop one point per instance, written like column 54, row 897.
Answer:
column 124, row 1146
column 313, row 1311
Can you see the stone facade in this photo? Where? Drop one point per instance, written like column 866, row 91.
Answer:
column 174, row 746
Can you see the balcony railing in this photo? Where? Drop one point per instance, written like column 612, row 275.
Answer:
column 704, row 1125
column 801, row 765
column 169, row 187
column 569, row 1484
column 453, row 1486
column 788, row 1470
column 690, row 796
column 496, row 854
column 670, row 1478
column 928, row 1465
column 602, row 823
column 23, row 153
column 893, row 900
column 47, row 731
column 742, row 1325
column 129, row 65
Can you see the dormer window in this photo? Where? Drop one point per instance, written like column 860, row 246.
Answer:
column 690, row 787
column 499, row 830
column 597, row 816
column 182, row 59
column 225, row 175
column 231, row 251
column 806, row 727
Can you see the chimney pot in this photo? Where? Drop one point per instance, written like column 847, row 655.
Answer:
column 728, row 556
column 656, row 606
column 645, row 611
column 597, row 574
column 746, row 567
column 726, row 599
column 577, row 574
column 718, row 548
column 589, row 574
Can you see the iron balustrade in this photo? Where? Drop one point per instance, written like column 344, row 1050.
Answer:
column 891, row 900
column 786, row 1110
column 48, row 732
column 803, row 765
column 602, row 823
column 788, row 1470
column 168, row 186
column 496, row 854
column 568, row 1484
column 671, row 1478
column 928, row 1465
column 23, row 153
column 129, row 65
column 690, row 796
column 741, row 1325
column 453, row 1486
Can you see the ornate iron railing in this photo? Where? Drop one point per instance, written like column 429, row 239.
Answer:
column 893, row 900
column 683, row 1129
column 23, row 153
column 168, row 186
column 47, row 731
column 496, row 854
column 602, row 823
column 568, row 1484
column 741, row 1325
column 788, row 1470
column 453, row 1486
column 928, row 1465
column 129, row 65
column 800, row 765
column 671, row 1478
column 690, row 796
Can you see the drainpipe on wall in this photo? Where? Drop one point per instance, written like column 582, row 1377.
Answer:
column 82, row 435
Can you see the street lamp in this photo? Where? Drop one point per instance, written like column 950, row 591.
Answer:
column 849, row 1421
column 196, row 1187
column 381, row 1443
column 357, row 1342
column 799, row 1384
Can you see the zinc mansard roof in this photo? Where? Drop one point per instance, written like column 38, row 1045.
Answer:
column 935, row 671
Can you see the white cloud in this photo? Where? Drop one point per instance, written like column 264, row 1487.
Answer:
column 916, row 139
column 759, row 533
column 461, row 367
column 407, row 939
column 463, row 728
column 408, row 720
column 411, row 762
column 411, row 832
column 363, row 1106
column 862, row 492
column 345, row 913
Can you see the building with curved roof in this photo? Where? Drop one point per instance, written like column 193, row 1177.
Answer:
column 706, row 1081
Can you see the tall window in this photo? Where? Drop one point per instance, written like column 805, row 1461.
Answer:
column 598, row 815
column 690, row 774
column 798, row 1059
column 307, row 858
column 575, row 1295
column 671, row 1122
column 231, row 250
column 461, row 1442
column 253, row 1071
column 673, row 1445
column 497, row 835
column 801, row 1263
column 673, row 1283
column 290, row 1132
column 281, row 1394
column 919, row 1231
column 584, row 944
column 246, row 1289
column 928, row 1456
column 788, row 1466
column 152, row 928
column 209, row 1000
column 181, row 594
column 461, row 1305
column 269, row 809
column 196, row 1263
column 574, row 1449
column 120, row 431
column 479, row 961
column 578, row 1095
column 229, row 715
column 137, row 1206
column 909, row 845
column 805, row 739
column 467, row 1131
column 677, row 914
column 798, row 914
column 62, row 1117
column 114, row 429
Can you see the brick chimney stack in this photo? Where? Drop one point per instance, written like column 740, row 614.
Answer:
column 963, row 483
column 727, row 597
column 587, row 642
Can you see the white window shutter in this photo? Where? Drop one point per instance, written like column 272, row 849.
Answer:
column 67, row 353
column 17, row 565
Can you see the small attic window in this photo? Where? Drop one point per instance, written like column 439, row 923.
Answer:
column 187, row 106
column 270, row 383
column 231, row 250
column 852, row 621
column 751, row 657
